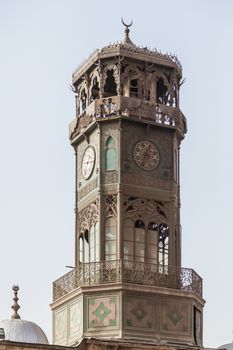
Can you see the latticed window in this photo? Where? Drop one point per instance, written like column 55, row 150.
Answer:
column 89, row 245
column 110, row 154
column 110, row 239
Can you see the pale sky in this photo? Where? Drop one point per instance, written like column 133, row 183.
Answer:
column 41, row 43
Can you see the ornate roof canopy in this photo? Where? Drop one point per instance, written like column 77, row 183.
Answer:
column 126, row 48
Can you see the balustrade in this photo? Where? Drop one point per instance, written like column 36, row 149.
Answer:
column 108, row 272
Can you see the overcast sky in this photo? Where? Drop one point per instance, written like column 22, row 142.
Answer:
column 41, row 43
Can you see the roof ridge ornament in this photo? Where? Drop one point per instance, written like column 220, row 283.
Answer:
column 126, row 38
column 15, row 306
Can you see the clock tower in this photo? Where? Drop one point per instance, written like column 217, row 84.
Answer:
column 127, row 282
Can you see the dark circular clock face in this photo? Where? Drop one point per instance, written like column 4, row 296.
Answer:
column 88, row 162
column 146, row 155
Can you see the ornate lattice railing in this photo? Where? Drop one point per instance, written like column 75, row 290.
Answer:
column 102, row 108
column 107, row 272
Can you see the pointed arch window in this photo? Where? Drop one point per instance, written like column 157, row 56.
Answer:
column 110, row 154
column 110, row 239
column 110, row 86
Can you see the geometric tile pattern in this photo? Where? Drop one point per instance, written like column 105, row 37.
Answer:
column 139, row 312
column 102, row 312
column 75, row 318
column 60, row 327
column 175, row 317
column 144, row 316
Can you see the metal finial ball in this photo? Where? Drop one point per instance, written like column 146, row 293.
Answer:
column 15, row 288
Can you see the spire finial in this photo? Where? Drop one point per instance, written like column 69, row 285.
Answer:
column 127, row 39
column 15, row 306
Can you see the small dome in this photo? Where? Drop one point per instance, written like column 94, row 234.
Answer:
column 23, row 331
column 19, row 330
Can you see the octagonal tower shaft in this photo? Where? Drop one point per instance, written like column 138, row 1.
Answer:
column 126, row 137
column 128, row 281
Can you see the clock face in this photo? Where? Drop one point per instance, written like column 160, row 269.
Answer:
column 146, row 155
column 88, row 162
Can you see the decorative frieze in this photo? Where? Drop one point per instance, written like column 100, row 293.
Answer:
column 146, row 209
column 89, row 216
column 145, row 181
column 111, row 205
column 90, row 186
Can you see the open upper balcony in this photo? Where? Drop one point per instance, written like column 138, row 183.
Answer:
column 118, row 271
column 127, row 107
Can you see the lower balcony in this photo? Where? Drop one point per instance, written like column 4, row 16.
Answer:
column 110, row 272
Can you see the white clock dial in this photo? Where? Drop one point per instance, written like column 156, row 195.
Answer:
column 88, row 162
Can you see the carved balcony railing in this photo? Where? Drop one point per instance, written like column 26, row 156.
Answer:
column 108, row 272
column 102, row 108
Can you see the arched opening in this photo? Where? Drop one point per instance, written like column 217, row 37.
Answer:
column 110, row 239
column 110, row 87
column 95, row 90
column 161, row 93
column 110, row 154
column 83, row 101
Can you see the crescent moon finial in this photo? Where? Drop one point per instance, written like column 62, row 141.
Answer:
column 126, row 25
column 127, row 39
